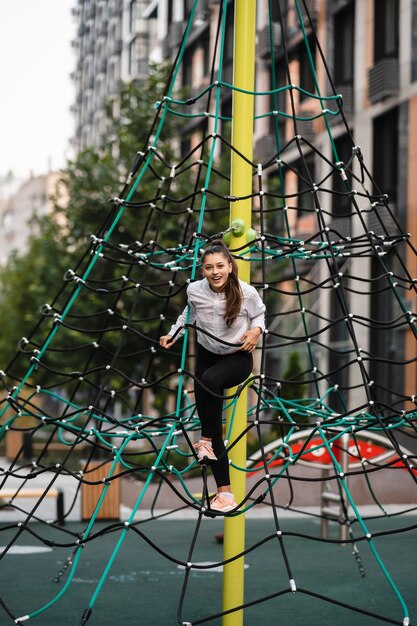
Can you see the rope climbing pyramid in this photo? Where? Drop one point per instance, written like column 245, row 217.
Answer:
column 316, row 411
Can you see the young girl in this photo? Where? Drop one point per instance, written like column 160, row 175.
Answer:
column 231, row 311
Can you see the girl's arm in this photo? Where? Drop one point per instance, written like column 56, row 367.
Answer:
column 166, row 340
column 256, row 311
column 250, row 339
column 256, row 314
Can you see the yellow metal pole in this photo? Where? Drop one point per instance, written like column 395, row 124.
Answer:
column 241, row 185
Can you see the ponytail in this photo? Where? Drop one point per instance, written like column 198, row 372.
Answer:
column 232, row 289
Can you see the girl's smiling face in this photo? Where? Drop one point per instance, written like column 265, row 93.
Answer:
column 217, row 270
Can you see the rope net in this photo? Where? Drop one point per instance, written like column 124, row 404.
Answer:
column 325, row 250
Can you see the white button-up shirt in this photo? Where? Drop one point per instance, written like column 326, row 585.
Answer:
column 207, row 309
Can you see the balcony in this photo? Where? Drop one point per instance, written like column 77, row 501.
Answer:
column 118, row 46
column 116, row 9
column 91, row 11
column 101, row 28
column 115, row 47
column 294, row 33
column 383, row 79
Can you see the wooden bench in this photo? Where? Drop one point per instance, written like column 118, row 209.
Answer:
column 90, row 494
column 11, row 494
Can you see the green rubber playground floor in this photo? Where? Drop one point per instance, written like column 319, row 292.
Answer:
column 143, row 588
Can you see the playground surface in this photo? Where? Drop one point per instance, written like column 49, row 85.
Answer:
column 144, row 587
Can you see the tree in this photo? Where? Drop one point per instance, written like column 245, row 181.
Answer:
column 62, row 247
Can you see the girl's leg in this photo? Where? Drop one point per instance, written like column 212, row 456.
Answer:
column 209, row 406
column 220, row 468
column 218, row 372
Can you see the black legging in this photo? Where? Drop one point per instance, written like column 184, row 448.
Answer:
column 218, row 372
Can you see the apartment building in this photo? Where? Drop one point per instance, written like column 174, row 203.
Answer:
column 32, row 198
column 371, row 66
column 113, row 45
column 375, row 70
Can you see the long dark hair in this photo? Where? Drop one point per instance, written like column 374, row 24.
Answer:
column 232, row 289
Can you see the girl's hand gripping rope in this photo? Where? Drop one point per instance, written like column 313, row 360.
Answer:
column 166, row 341
column 250, row 339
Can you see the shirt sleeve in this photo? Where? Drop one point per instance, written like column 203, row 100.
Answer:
column 182, row 319
column 256, row 309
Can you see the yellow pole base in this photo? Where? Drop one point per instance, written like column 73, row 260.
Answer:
column 234, row 528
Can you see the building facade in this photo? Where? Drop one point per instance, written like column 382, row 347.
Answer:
column 374, row 69
column 371, row 66
column 33, row 198
column 113, row 45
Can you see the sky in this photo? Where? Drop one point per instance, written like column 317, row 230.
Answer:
column 36, row 91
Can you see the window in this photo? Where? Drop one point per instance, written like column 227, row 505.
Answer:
column 341, row 205
column 132, row 16
column 277, row 8
column 228, row 48
column 190, row 66
column 385, row 151
column 274, row 214
column 188, row 7
column 226, row 128
column 344, row 30
column 170, row 12
column 338, row 353
column 205, row 44
column 386, row 35
column 278, row 100
column 132, row 58
column 306, row 174
column 104, row 13
column 187, row 69
column 386, row 347
column 142, row 54
column 7, row 220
